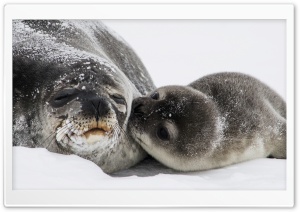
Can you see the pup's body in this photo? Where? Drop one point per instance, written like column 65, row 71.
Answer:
column 215, row 121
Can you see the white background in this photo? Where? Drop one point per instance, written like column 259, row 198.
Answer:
column 212, row 1
column 181, row 51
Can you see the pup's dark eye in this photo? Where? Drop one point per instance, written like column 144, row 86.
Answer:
column 118, row 99
column 163, row 133
column 64, row 96
column 155, row 95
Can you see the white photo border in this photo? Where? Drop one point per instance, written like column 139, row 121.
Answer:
column 149, row 198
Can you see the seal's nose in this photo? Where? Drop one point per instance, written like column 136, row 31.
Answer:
column 138, row 110
column 138, row 107
column 100, row 106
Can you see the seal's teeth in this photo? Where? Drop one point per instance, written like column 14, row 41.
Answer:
column 67, row 121
column 69, row 125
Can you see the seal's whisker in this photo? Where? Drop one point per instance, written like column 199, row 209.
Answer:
column 41, row 142
column 52, row 138
column 112, row 129
column 62, row 128
column 115, row 136
column 51, row 142
column 123, row 132
column 61, row 131
column 116, row 131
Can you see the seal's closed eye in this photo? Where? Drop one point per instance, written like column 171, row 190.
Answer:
column 118, row 99
column 64, row 96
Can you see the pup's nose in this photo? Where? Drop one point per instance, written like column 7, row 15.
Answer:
column 138, row 107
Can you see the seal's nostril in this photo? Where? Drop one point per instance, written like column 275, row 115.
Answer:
column 138, row 109
column 99, row 106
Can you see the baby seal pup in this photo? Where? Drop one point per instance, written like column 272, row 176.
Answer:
column 73, row 85
column 218, row 120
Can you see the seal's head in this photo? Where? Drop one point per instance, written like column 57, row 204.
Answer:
column 92, row 107
column 174, row 124
column 70, row 95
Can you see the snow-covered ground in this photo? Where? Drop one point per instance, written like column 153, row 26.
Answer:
column 40, row 169
column 177, row 53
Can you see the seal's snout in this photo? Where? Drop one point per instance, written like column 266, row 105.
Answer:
column 96, row 107
column 138, row 107
column 100, row 106
column 95, row 122
column 143, row 106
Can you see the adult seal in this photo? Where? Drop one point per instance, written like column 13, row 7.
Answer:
column 218, row 120
column 73, row 85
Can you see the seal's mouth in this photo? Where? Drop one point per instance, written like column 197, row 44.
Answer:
column 94, row 135
column 70, row 134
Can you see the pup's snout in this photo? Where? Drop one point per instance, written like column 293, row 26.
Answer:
column 138, row 107
column 138, row 110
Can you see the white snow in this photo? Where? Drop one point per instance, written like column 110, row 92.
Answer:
column 36, row 168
